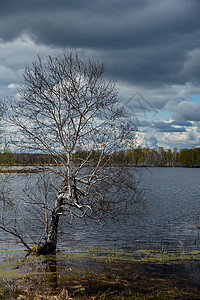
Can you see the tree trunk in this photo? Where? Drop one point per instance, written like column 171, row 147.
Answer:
column 52, row 232
column 51, row 242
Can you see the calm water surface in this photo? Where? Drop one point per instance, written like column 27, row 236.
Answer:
column 171, row 220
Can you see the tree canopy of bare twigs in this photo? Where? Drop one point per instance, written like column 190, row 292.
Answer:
column 66, row 108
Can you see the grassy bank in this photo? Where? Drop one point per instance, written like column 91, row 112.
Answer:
column 101, row 275
column 19, row 171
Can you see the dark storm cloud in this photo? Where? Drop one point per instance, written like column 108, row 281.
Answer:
column 181, row 123
column 167, row 127
column 187, row 111
column 144, row 41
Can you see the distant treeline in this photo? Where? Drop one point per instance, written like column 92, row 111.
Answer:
column 137, row 157
column 164, row 158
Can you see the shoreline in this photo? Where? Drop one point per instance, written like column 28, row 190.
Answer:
column 20, row 171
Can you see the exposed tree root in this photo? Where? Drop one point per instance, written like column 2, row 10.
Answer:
column 40, row 249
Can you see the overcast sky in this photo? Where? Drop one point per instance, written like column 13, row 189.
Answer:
column 151, row 48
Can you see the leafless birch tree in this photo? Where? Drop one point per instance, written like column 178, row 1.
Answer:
column 67, row 107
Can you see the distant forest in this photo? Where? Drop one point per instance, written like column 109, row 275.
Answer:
column 137, row 157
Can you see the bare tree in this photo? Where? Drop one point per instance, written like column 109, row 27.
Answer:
column 65, row 108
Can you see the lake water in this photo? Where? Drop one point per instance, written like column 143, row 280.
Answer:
column 171, row 220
